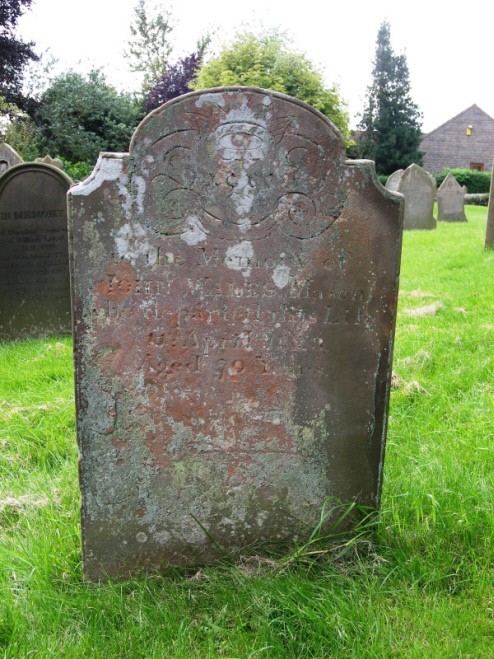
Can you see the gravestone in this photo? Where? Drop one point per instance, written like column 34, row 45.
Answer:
column 234, row 289
column 393, row 181
column 56, row 162
column 34, row 262
column 419, row 189
column 451, row 201
column 8, row 157
column 489, row 230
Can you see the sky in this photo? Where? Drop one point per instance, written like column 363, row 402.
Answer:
column 449, row 50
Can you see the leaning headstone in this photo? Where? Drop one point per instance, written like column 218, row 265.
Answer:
column 8, row 157
column 34, row 262
column 234, row 290
column 419, row 189
column 393, row 181
column 56, row 162
column 451, row 201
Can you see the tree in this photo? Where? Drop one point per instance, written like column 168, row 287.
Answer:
column 150, row 49
column 266, row 61
column 14, row 54
column 80, row 116
column 175, row 82
column 391, row 121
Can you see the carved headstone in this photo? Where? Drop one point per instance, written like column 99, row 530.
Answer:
column 8, row 157
column 451, row 201
column 34, row 261
column 235, row 288
column 393, row 181
column 56, row 162
column 419, row 189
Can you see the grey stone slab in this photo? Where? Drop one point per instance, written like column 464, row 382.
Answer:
column 34, row 262
column 234, row 286
column 393, row 181
column 451, row 201
column 419, row 189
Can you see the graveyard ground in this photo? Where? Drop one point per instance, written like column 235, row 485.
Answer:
column 421, row 588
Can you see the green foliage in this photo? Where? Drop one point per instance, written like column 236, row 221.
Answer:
column 149, row 50
column 80, row 116
column 18, row 130
column 77, row 171
column 476, row 182
column 391, row 122
column 266, row 61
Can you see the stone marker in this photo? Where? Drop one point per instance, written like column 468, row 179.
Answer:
column 451, row 201
column 56, row 162
column 419, row 189
column 393, row 181
column 235, row 286
column 34, row 263
column 8, row 157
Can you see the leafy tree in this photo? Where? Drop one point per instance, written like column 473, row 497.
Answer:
column 18, row 130
column 174, row 82
column 149, row 50
column 14, row 54
column 80, row 116
column 267, row 61
column 391, row 121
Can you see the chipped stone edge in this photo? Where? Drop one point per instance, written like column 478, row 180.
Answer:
column 108, row 167
column 368, row 167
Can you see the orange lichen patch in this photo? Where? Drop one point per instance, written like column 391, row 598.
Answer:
column 119, row 281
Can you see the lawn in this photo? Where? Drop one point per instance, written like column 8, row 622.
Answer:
column 420, row 586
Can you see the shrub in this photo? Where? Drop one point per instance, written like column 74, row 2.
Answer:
column 476, row 182
column 477, row 199
column 77, row 170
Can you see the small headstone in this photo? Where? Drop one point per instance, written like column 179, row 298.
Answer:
column 451, row 201
column 394, row 180
column 234, row 292
column 34, row 262
column 419, row 189
column 8, row 157
column 56, row 162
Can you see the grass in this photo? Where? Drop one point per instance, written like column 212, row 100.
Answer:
column 422, row 588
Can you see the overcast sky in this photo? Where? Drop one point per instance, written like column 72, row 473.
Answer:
column 450, row 52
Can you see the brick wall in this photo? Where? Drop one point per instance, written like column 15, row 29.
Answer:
column 450, row 146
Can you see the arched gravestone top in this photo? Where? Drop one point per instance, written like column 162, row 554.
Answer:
column 393, row 181
column 234, row 291
column 419, row 189
column 451, row 201
column 8, row 157
column 56, row 162
column 34, row 262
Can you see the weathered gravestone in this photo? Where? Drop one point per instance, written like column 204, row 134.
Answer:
column 56, row 162
column 451, row 201
column 34, row 261
column 235, row 286
column 393, row 181
column 8, row 157
column 419, row 189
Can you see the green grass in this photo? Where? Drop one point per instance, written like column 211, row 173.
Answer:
column 422, row 588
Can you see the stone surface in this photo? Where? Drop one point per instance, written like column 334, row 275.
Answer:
column 393, row 181
column 8, row 157
column 451, row 201
column 489, row 230
column 235, row 287
column 56, row 162
column 34, row 262
column 419, row 189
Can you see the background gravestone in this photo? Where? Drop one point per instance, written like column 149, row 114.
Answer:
column 56, row 162
column 451, row 201
column 419, row 189
column 234, row 291
column 489, row 231
column 34, row 264
column 393, row 181
column 8, row 157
